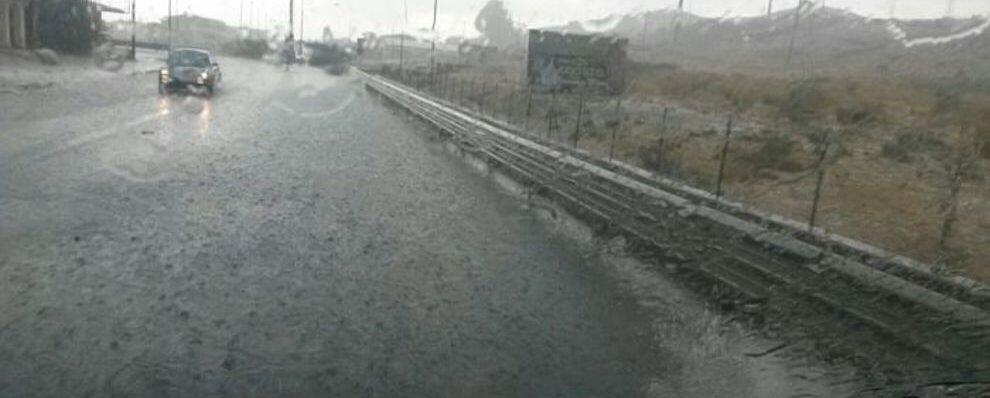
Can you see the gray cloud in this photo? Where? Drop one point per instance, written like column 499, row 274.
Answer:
column 457, row 16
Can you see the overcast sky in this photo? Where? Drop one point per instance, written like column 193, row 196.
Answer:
column 456, row 17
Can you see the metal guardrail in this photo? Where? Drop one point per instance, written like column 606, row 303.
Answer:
column 759, row 250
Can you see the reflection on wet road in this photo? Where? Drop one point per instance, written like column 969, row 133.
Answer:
column 292, row 236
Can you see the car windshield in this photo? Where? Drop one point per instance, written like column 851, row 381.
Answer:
column 189, row 58
column 495, row 198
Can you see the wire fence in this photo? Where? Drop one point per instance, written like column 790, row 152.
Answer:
column 808, row 178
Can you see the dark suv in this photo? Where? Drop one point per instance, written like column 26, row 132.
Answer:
column 189, row 69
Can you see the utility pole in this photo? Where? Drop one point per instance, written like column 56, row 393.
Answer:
column 646, row 21
column 133, row 30
column 433, row 45
column 797, row 23
column 178, row 8
column 169, row 25
column 402, row 36
column 770, row 8
column 291, row 16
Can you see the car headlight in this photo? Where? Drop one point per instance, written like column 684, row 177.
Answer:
column 164, row 75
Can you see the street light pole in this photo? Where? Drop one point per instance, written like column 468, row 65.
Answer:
column 170, row 25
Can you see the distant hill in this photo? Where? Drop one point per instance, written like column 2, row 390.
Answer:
column 828, row 40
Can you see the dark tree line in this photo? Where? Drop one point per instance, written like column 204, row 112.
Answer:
column 65, row 26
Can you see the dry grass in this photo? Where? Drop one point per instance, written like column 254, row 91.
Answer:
column 892, row 145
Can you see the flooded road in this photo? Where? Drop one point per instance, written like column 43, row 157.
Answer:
column 295, row 236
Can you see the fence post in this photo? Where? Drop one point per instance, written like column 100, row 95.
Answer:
column 819, row 184
column 550, row 113
column 508, row 103
column 482, row 97
column 471, row 94
column 615, row 128
column 445, row 83
column 725, row 154
column 495, row 102
column 663, row 134
column 529, row 109
column 580, row 116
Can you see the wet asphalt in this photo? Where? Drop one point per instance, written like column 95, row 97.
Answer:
column 297, row 236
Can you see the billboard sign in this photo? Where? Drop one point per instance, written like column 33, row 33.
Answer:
column 559, row 61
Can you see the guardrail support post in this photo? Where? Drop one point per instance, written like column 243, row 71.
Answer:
column 722, row 160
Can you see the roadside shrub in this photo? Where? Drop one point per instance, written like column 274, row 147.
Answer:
column 776, row 152
column 65, row 26
column 663, row 162
column 857, row 113
column 809, row 100
column 906, row 147
column 745, row 92
column 975, row 118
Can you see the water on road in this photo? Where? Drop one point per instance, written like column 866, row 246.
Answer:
column 295, row 236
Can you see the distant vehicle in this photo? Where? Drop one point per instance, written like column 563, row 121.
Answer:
column 190, row 69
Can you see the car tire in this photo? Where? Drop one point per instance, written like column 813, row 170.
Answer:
column 162, row 90
column 209, row 90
